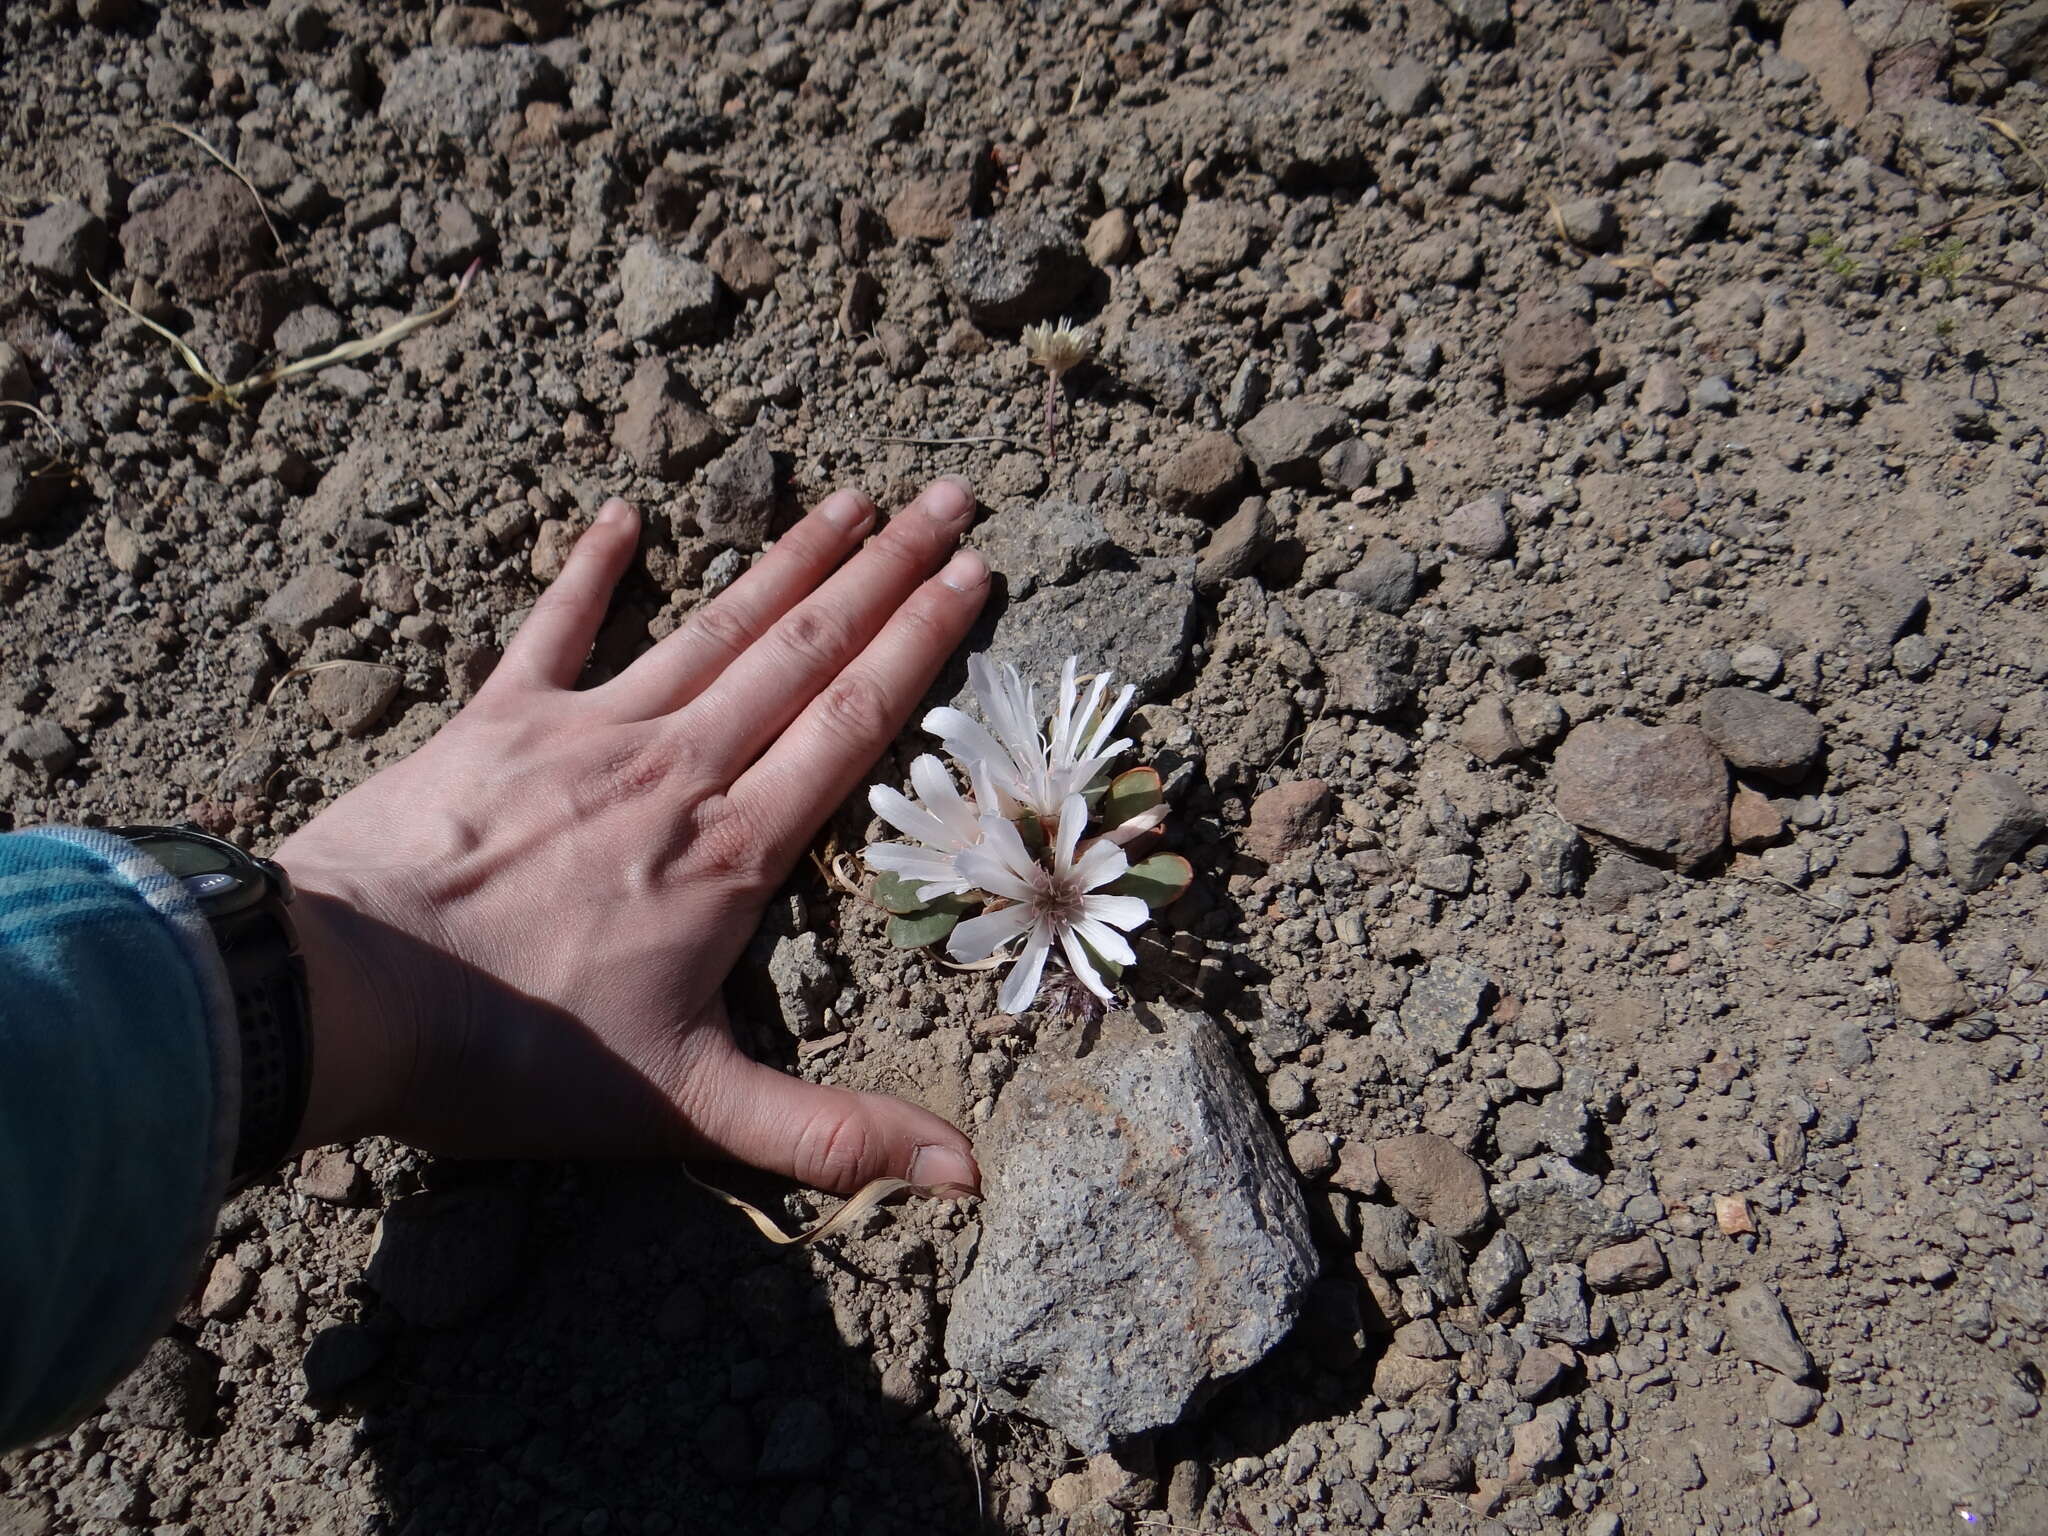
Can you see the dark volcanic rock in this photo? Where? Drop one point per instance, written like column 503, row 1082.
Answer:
column 65, row 243
column 1136, row 623
column 1760, row 734
column 1007, row 272
column 1991, row 818
column 1143, row 1238
column 1289, row 437
column 463, row 92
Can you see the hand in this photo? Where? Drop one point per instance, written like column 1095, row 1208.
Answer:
column 517, row 938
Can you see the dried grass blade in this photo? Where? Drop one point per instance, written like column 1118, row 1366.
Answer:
column 363, row 346
column 317, row 666
column 192, row 359
column 39, row 414
column 866, row 1199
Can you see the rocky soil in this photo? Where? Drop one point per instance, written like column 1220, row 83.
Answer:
column 1568, row 481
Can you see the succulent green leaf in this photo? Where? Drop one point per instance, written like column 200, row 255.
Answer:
column 917, row 930
column 893, row 893
column 1131, row 793
column 1157, row 881
column 1032, row 830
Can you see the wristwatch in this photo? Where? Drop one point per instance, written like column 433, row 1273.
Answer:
column 244, row 900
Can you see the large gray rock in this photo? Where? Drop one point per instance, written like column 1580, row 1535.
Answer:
column 1759, row 734
column 1445, row 1000
column 1948, row 148
column 1010, row 272
column 1662, row 789
column 1486, row 20
column 65, row 243
column 1143, row 1238
column 439, row 1259
column 27, row 496
column 172, row 1388
column 462, row 92
column 1214, row 239
column 664, row 297
column 1991, row 818
column 1760, row 1332
column 1156, row 361
column 1556, row 1217
column 1288, row 439
column 1373, row 663
column 736, row 501
column 1136, row 623
column 1045, row 543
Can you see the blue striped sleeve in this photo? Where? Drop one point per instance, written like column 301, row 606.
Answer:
column 118, row 1097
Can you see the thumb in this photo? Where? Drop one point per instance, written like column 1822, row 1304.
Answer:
column 830, row 1138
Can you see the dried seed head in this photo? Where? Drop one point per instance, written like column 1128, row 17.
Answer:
column 1058, row 348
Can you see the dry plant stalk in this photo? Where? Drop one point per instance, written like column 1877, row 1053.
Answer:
column 219, row 392
column 866, row 1199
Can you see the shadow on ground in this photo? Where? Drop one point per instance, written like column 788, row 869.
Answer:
column 653, row 1367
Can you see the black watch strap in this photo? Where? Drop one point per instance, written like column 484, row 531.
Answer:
column 245, row 901
column 269, row 983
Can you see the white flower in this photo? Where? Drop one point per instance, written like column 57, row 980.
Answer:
column 939, row 829
column 1057, row 348
column 1059, row 902
column 1030, row 772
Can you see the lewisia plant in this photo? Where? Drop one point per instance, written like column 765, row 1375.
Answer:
column 1020, row 849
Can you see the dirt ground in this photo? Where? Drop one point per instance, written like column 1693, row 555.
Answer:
column 1471, row 379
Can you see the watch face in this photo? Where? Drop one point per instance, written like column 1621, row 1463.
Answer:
column 217, row 875
column 186, row 857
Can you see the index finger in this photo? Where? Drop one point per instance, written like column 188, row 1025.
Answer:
column 815, row 764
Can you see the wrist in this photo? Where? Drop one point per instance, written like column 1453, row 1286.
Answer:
column 359, row 1018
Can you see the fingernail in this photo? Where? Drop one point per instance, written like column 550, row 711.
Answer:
column 846, row 510
column 949, row 500
column 935, row 1168
column 965, row 572
column 615, row 511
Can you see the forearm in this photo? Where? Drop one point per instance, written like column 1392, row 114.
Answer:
column 118, row 1096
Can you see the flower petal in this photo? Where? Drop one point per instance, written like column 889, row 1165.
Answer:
column 979, row 937
column 910, row 861
column 1073, row 817
column 1138, row 825
column 968, row 740
column 1020, row 987
column 986, row 866
column 1084, row 719
column 907, row 816
column 1125, row 912
column 988, row 799
column 1064, row 723
column 942, row 797
column 1109, row 719
column 1103, row 862
column 1106, row 941
column 1006, row 702
column 1082, row 966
